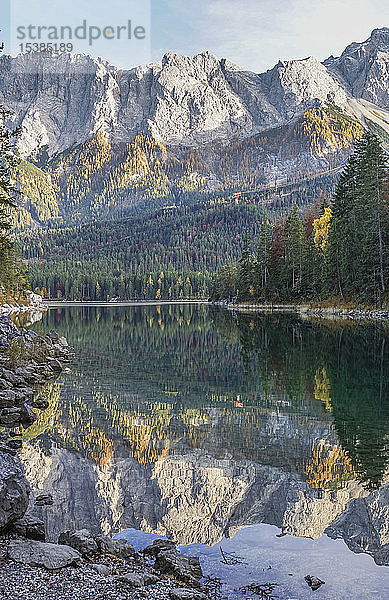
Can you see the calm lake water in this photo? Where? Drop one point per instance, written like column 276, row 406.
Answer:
column 227, row 429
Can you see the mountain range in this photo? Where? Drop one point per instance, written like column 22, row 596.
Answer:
column 97, row 140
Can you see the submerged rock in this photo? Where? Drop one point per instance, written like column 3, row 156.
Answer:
column 313, row 582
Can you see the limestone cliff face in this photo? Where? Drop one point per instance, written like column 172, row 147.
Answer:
column 363, row 69
column 189, row 101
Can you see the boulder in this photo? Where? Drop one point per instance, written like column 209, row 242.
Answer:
column 4, row 385
column 54, row 364
column 14, row 490
column 11, row 377
column 29, row 527
column 81, row 540
column 42, row 554
column 132, row 580
column 184, row 568
column 44, row 500
column 53, row 335
column 40, row 402
column 15, row 443
column 158, row 545
column 119, row 547
column 10, row 416
column 381, row 556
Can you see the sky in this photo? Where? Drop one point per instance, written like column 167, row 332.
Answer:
column 254, row 34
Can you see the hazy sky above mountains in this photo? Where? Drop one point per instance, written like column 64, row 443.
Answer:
column 255, row 34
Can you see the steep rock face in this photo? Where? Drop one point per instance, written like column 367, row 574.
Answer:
column 14, row 490
column 294, row 86
column 58, row 106
column 64, row 100
column 363, row 69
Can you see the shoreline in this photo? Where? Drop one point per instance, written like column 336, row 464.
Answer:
column 306, row 311
column 59, row 303
column 303, row 310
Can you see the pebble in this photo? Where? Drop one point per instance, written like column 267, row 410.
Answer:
column 97, row 581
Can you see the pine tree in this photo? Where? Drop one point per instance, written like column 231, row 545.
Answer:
column 245, row 271
column 371, row 175
column 294, row 248
column 262, row 266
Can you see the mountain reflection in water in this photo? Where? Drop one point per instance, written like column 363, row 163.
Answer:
column 194, row 422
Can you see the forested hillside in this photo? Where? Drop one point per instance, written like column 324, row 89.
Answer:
column 339, row 249
column 100, row 179
column 160, row 251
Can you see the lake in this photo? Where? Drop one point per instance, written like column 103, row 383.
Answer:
column 267, row 435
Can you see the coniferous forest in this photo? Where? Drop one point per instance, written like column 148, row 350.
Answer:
column 337, row 249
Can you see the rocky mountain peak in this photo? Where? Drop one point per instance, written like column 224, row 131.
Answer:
column 363, row 68
column 182, row 100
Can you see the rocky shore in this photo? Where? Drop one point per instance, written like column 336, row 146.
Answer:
column 80, row 565
column 334, row 312
column 88, row 567
column 29, row 304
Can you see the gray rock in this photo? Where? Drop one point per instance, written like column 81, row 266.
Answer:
column 40, row 403
column 11, row 377
column 184, row 568
column 54, row 364
column 186, row 594
column 133, row 580
column 15, row 443
column 81, row 540
column 29, row 527
column 14, row 491
column 381, row 555
column 117, row 547
column 101, row 569
column 314, row 582
column 42, row 554
column 159, row 545
column 7, row 449
column 53, row 335
column 44, row 500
